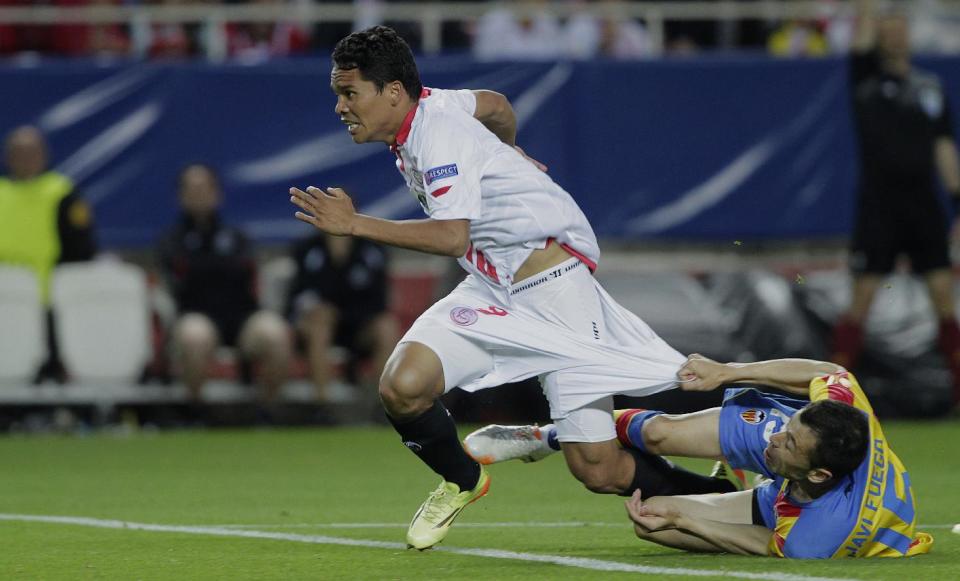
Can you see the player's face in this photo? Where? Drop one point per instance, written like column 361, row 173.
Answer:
column 369, row 114
column 789, row 451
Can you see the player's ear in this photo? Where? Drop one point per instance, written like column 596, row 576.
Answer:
column 396, row 92
column 819, row 475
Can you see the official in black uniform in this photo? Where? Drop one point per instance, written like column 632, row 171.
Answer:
column 905, row 135
column 211, row 273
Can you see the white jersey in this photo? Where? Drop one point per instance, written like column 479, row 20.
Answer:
column 458, row 169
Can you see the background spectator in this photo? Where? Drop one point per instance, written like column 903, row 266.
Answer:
column 532, row 33
column 171, row 40
column 610, row 35
column 933, row 30
column 257, row 42
column 798, row 38
column 43, row 221
column 210, row 272
column 339, row 297
column 97, row 40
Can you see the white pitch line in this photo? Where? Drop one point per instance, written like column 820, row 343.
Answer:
column 463, row 525
column 577, row 562
column 404, row 525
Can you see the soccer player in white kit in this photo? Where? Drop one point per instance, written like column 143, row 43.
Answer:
column 530, row 305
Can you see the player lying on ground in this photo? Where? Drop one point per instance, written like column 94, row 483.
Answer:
column 529, row 305
column 834, row 487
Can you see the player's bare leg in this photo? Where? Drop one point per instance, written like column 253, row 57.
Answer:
column 694, row 435
column 411, row 383
column 602, row 467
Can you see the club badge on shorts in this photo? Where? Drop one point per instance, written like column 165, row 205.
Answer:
column 463, row 316
column 753, row 416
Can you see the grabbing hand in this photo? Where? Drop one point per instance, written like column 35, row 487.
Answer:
column 699, row 373
column 331, row 211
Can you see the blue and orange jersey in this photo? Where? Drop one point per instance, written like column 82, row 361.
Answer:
column 870, row 513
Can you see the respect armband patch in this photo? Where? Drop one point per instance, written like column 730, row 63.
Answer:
column 439, row 173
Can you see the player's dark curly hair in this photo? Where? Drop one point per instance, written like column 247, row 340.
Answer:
column 381, row 56
column 843, row 435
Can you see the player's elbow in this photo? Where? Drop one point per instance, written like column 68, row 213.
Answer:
column 456, row 238
column 493, row 106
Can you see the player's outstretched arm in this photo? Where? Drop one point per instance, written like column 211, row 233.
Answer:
column 740, row 539
column 794, row 375
column 332, row 212
column 695, row 532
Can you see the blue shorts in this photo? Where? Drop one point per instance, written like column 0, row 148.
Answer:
column 747, row 420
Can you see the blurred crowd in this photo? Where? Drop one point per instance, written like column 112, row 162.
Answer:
column 525, row 29
column 335, row 295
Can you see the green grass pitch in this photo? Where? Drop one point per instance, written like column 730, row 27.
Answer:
column 324, row 485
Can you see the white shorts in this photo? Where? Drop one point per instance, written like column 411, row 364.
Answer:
column 591, row 423
column 560, row 326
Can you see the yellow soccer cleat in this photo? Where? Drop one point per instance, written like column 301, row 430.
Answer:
column 432, row 522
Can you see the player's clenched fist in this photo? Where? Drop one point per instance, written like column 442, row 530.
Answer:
column 331, row 211
column 700, row 374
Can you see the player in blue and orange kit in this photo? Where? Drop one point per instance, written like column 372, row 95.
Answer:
column 835, row 487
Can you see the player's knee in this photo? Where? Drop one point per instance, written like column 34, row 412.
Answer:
column 404, row 391
column 655, row 432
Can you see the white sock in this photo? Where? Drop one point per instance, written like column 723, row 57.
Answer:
column 548, row 435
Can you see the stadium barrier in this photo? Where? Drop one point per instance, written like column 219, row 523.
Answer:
column 428, row 17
